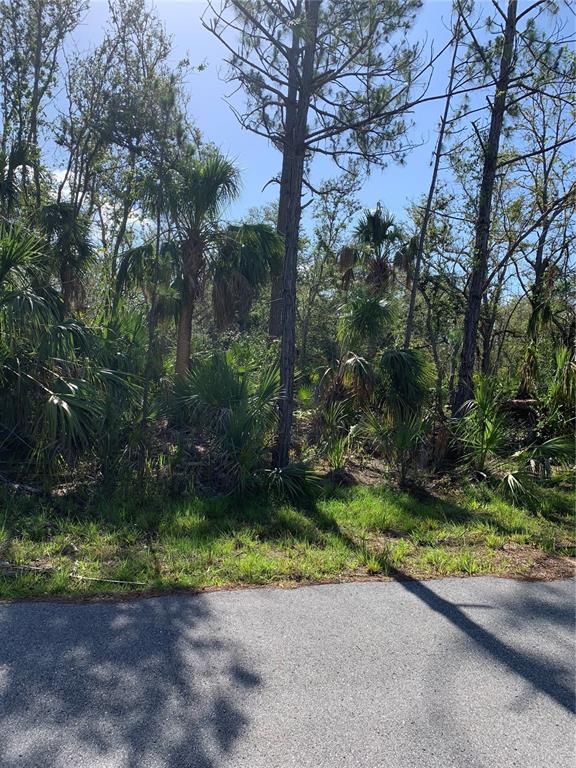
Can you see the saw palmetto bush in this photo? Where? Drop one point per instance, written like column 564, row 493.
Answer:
column 58, row 379
column 236, row 411
column 394, row 424
column 482, row 433
column 363, row 321
column 408, row 380
column 396, row 439
column 482, row 429
column 337, row 429
column 557, row 400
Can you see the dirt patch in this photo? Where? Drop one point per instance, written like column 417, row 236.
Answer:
column 527, row 562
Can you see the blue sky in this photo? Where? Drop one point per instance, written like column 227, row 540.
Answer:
column 395, row 186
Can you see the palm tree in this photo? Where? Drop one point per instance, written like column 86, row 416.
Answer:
column 138, row 268
column 68, row 232
column 363, row 321
column 196, row 192
column 247, row 255
column 375, row 235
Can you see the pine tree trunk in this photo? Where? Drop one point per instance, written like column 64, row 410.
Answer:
column 292, row 103
column 275, row 315
column 294, row 157
column 477, row 282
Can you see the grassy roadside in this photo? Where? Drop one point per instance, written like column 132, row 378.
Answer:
column 350, row 533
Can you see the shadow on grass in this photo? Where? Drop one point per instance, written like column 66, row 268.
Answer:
column 131, row 684
column 156, row 513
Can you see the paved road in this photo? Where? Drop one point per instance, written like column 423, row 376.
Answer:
column 474, row 673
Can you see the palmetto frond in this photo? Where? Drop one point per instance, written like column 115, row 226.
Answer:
column 375, row 236
column 376, row 229
column 22, row 257
column 245, row 256
column 364, row 318
column 396, row 438
column 68, row 232
column 22, row 270
column 199, row 187
column 12, row 161
column 71, row 415
column 138, row 268
column 238, row 410
column 482, row 428
column 410, row 377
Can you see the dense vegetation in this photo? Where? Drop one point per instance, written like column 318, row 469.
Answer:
column 189, row 394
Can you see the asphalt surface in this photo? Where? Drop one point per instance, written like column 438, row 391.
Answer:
column 477, row 673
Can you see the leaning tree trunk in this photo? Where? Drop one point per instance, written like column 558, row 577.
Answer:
column 431, row 193
column 491, row 312
column 477, row 286
column 294, row 156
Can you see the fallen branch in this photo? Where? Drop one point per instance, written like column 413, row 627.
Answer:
column 10, row 569
column 29, row 490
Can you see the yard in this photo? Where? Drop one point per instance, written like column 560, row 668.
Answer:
column 60, row 547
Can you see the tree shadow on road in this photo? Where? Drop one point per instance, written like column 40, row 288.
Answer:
column 544, row 675
column 138, row 684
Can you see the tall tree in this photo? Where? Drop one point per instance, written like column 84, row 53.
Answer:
column 438, row 151
column 32, row 33
column 529, row 60
column 483, row 219
column 198, row 187
column 320, row 77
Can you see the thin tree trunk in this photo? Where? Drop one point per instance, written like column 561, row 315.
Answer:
column 431, row 192
column 310, row 304
column 538, row 294
column 294, row 155
column 277, row 279
column 35, row 102
column 152, row 314
column 68, row 288
column 490, row 324
column 439, row 405
column 481, row 244
column 184, row 329
column 126, row 208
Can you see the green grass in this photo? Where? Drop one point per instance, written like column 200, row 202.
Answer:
column 193, row 543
